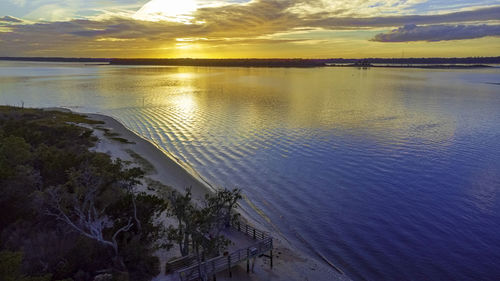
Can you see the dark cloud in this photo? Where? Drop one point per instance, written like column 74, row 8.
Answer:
column 328, row 22
column 433, row 33
column 10, row 19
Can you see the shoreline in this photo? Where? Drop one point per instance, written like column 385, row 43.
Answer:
column 169, row 170
column 425, row 63
column 290, row 263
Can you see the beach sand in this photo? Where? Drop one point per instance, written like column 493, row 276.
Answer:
column 161, row 167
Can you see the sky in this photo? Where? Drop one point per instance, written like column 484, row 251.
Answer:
column 250, row 28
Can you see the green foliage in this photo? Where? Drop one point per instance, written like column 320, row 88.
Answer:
column 122, row 140
column 14, row 151
column 77, row 212
column 200, row 227
column 184, row 211
column 10, row 265
column 17, row 178
column 10, row 268
column 145, row 164
column 48, row 178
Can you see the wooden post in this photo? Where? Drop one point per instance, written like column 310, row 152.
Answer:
column 213, row 269
column 248, row 260
column 229, row 266
column 271, row 255
column 254, row 233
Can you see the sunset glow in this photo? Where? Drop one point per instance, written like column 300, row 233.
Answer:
column 250, row 29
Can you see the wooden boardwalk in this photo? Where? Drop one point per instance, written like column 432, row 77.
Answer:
column 249, row 243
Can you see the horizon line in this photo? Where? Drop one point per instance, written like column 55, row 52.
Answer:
column 242, row 58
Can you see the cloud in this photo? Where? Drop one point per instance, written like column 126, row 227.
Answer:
column 253, row 19
column 20, row 3
column 328, row 22
column 53, row 12
column 355, row 8
column 233, row 21
column 10, row 19
column 433, row 33
column 256, row 22
column 256, row 18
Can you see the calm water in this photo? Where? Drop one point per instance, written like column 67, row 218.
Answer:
column 392, row 174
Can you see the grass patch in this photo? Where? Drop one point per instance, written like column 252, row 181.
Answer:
column 48, row 117
column 77, row 118
column 159, row 188
column 145, row 164
column 122, row 140
column 102, row 129
column 110, row 135
column 114, row 136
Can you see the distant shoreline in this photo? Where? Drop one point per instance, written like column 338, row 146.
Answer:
column 426, row 66
column 432, row 63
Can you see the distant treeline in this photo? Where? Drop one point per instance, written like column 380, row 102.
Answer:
column 56, row 59
column 226, row 62
column 268, row 62
column 303, row 62
column 470, row 60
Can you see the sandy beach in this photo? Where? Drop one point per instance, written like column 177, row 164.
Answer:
column 165, row 171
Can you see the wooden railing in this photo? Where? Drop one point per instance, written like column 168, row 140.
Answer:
column 179, row 263
column 212, row 266
column 220, row 263
column 250, row 230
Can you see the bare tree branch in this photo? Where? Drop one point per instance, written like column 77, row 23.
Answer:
column 85, row 218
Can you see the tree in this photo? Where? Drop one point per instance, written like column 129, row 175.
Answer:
column 201, row 226
column 182, row 208
column 14, row 152
column 10, row 268
column 80, row 205
column 17, row 179
column 75, row 209
column 220, row 207
column 217, row 214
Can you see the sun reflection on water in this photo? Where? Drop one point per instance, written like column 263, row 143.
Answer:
column 185, row 104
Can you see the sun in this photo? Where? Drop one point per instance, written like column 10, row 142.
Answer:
column 167, row 10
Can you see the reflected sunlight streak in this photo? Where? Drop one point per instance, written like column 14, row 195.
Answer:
column 185, row 105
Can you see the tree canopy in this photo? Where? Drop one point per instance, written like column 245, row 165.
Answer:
column 70, row 213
